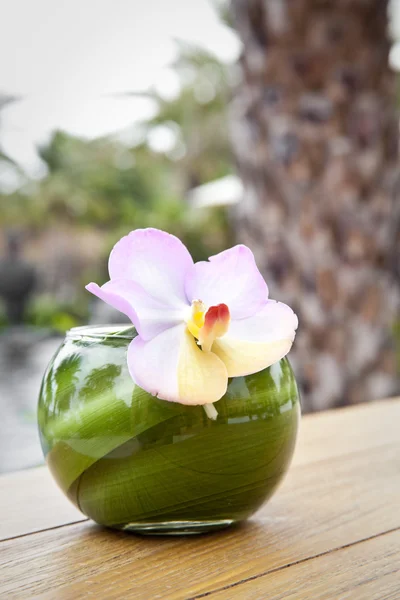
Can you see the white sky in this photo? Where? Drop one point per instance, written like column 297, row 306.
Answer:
column 66, row 59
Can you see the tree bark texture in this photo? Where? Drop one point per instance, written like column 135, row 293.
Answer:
column 315, row 132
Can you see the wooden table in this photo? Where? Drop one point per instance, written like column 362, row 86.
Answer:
column 332, row 531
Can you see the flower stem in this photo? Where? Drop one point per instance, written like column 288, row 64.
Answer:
column 210, row 411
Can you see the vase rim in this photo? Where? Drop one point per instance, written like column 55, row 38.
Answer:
column 118, row 330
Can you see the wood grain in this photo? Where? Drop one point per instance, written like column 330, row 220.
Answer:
column 367, row 571
column 352, row 429
column 322, row 506
column 30, row 501
column 334, row 518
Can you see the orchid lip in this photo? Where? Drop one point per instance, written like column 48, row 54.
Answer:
column 207, row 324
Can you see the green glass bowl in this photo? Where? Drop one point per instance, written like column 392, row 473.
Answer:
column 131, row 461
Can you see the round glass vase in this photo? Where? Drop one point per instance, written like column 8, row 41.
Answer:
column 131, row 461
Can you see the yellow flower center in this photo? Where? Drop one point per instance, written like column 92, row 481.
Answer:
column 208, row 324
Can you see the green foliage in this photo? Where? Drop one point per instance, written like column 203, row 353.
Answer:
column 98, row 182
column 3, row 317
column 224, row 11
column 197, row 116
column 47, row 313
column 104, row 186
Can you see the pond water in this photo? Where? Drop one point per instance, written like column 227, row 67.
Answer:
column 24, row 355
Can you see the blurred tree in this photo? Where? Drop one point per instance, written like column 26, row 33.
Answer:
column 316, row 139
column 17, row 281
column 98, row 190
column 97, row 182
column 196, row 118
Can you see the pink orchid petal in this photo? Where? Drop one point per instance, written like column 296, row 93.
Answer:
column 114, row 299
column 230, row 278
column 172, row 367
column 149, row 315
column 154, row 259
column 257, row 342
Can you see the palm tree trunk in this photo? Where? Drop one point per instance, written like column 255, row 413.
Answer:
column 316, row 139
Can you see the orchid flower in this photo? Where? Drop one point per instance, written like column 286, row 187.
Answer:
column 197, row 324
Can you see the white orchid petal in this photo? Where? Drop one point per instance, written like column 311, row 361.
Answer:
column 155, row 260
column 172, row 367
column 259, row 341
column 230, row 278
column 150, row 315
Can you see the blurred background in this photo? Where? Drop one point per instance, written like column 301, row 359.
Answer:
column 266, row 122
